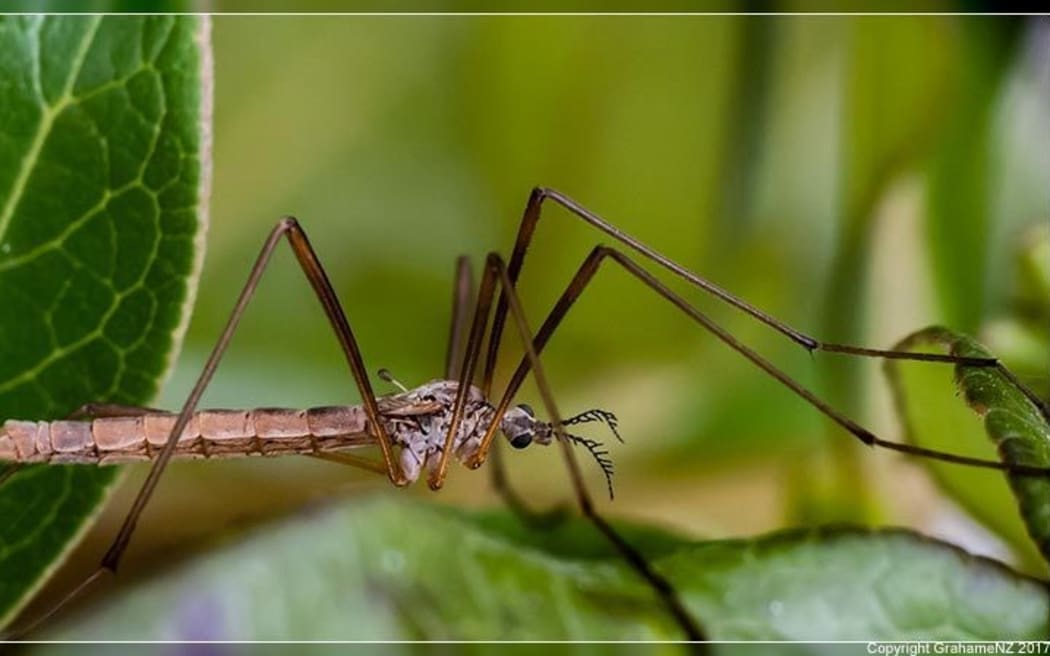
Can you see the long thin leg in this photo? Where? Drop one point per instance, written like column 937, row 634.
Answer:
column 495, row 270
column 531, row 217
column 585, row 274
column 287, row 227
column 663, row 588
column 486, row 293
column 462, row 294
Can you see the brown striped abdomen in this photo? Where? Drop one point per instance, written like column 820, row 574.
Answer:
column 209, row 434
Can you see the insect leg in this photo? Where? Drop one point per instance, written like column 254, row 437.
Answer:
column 586, row 273
column 289, row 228
column 472, row 349
column 637, row 561
column 466, row 374
column 531, row 217
column 462, row 294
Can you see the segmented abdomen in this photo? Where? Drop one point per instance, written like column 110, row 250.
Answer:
column 209, row 434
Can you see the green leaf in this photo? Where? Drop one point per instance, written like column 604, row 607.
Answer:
column 103, row 177
column 934, row 418
column 383, row 569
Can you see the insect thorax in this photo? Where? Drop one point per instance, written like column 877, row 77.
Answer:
column 421, row 435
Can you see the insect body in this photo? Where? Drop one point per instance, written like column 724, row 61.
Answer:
column 417, row 421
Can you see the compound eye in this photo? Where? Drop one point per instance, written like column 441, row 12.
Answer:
column 528, row 409
column 521, row 441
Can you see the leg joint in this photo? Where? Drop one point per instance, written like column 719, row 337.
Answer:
column 287, row 223
column 599, row 253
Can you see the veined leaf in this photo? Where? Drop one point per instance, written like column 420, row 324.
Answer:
column 384, row 569
column 934, row 419
column 104, row 160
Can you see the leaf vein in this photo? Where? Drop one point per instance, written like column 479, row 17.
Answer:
column 18, row 187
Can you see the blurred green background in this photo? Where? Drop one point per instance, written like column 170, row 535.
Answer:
column 856, row 177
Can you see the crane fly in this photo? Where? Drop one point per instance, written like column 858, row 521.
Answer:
column 420, row 430
column 416, row 421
